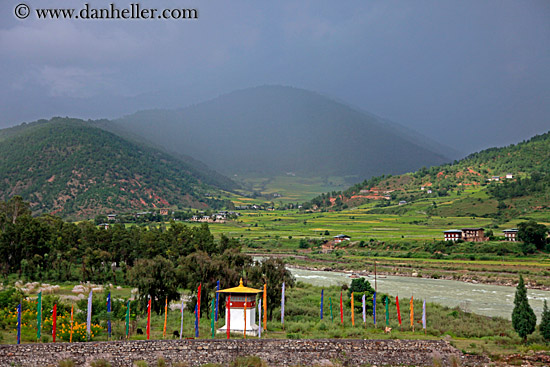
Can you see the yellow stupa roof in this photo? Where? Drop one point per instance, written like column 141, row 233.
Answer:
column 240, row 289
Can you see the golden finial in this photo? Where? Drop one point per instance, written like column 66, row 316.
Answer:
column 241, row 282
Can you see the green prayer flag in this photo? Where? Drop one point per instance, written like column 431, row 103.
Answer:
column 387, row 312
column 330, row 304
column 127, row 319
column 39, row 316
column 213, row 318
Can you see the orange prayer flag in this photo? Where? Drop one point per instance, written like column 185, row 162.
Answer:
column 165, row 317
column 71, row 337
column 412, row 313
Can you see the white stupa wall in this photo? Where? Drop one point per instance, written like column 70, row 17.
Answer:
column 237, row 321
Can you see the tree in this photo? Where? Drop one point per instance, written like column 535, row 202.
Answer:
column 272, row 272
column 532, row 233
column 544, row 326
column 360, row 287
column 524, row 320
column 199, row 268
column 156, row 278
column 14, row 208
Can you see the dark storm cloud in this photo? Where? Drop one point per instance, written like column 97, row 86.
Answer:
column 470, row 74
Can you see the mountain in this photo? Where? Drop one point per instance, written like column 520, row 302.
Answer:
column 500, row 182
column 274, row 130
column 73, row 168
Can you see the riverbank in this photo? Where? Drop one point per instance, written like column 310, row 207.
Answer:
column 504, row 273
column 464, row 278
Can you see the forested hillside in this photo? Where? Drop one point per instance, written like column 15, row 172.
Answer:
column 504, row 176
column 71, row 168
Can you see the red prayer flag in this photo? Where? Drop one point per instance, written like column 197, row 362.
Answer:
column 149, row 319
column 398, row 311
column 341, row 309
column 228, row 315
column 54, row 321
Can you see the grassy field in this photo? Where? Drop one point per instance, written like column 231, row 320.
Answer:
column 292, row 188
column 403, row 239
column 424, row 219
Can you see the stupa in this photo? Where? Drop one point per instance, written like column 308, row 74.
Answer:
column 238, row 296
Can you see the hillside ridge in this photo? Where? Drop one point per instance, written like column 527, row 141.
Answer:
column 71, row 168
column 514, row 177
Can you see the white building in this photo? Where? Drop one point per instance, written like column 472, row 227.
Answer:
column 511, row 234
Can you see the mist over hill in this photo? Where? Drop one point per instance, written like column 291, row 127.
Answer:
column 274, row 130
column 70, row 167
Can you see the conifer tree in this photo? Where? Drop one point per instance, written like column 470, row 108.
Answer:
column 544, row 326
column 524, row 319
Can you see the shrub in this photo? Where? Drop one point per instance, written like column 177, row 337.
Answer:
column 66, row 363
column 100, row 363
column 251, row 361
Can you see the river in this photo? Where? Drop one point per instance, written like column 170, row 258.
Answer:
column 483, row 299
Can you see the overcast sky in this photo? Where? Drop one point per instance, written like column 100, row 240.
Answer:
column 471, row 74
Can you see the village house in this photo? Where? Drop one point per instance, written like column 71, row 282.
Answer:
column 220, row 217
column 466, row 234
column 164, row 211
column 511, row 234
column 402, row 202
column 341, row 238
column 509, row 176
column 111, row 217
column 453, row 235
column 474, row 234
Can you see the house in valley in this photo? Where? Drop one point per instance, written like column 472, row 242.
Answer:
column 465, row 234
column 341, row 238
column 511, row 234
column 474, row 234
column 453, row 235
